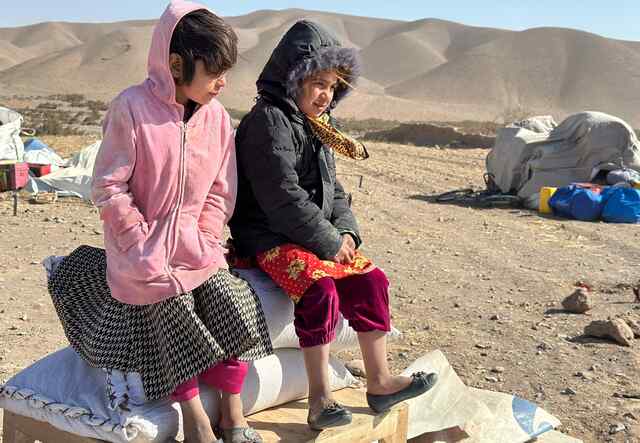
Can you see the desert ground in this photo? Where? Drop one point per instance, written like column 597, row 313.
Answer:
column 482, row 285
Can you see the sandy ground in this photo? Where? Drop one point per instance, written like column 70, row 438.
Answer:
column 482, row 285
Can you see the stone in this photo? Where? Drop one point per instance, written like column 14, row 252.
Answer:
column 615, row 329
column 630, row 416
column 356, row 367
column 634, row 325
column 568, row 391
column 616, row 428
column 585, row 375
column 498, row 370
column 579, row 302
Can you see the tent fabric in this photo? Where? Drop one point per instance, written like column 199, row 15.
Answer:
column 75, row 179
column 523, row 160
column 36, row 151
column 11, row 146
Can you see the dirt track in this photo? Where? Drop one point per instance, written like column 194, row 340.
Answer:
column 462, row 279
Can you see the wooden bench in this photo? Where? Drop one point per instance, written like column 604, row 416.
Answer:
column 286, row 423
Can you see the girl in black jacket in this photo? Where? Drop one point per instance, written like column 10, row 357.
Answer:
column 294, row 218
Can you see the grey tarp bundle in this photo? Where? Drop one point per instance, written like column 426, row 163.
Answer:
column 11, row 147
column 535, row 153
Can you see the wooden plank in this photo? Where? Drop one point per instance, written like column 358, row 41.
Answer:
column 401, row 427
column 289, row 422
column 286, row 423
column 27, row 430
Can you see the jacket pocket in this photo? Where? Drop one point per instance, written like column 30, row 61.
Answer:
column 192, row 251
column 132, row 236
column 148, row 258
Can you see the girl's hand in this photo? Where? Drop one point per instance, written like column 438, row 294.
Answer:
column 347, row 251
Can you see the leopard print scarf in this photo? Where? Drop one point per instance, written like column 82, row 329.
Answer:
column 337, row 140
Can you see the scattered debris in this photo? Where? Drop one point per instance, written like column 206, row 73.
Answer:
column 616, row 428
column 356, row 367
column 615, row 329
column 44, row 198
column 628, row 395
column 579, row 302
column 585, row 375
column 568, row 391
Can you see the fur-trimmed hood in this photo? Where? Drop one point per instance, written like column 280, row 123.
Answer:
column 306, row 48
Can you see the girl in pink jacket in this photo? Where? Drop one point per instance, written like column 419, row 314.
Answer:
column 159, row 301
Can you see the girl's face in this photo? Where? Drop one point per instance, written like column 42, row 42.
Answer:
column 317, row 93
column 203, row 88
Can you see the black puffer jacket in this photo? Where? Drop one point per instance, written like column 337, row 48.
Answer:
column 287, row 186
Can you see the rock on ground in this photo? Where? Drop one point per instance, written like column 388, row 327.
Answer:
column 579, row 302
column 617, row 329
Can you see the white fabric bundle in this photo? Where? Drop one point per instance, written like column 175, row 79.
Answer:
column 11, row 146
column 61, row 389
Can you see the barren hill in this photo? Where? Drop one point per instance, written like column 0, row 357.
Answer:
column 425, row 69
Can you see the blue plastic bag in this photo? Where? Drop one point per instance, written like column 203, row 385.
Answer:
column 622, row 205
column 578, row 203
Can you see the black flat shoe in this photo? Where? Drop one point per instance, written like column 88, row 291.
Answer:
column 332, row 415
column 420, row 384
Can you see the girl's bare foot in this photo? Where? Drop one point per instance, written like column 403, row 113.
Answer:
column 231, row 412
column 196, row 424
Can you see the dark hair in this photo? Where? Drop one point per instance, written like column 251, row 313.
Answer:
column 202, row 35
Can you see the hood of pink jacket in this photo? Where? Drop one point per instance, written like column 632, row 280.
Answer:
column 160, row 77
column 164, row 188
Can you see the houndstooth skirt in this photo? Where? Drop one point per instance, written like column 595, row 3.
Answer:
column 167, row 343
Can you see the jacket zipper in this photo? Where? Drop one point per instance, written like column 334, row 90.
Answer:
column 176, row 210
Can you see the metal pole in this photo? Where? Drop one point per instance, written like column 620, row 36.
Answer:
column 15, row 203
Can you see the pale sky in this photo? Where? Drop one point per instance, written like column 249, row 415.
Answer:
column 616, row 18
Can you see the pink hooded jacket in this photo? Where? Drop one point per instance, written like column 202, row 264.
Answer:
column 165, row 189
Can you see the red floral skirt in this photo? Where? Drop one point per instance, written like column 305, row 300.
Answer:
column 296, row 269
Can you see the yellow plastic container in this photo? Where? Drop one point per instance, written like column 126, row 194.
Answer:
column 545, row 194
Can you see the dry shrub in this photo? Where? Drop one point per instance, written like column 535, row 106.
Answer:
column 513, row 114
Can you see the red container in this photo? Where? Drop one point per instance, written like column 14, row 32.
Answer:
column 16, row 176
column 39, row 169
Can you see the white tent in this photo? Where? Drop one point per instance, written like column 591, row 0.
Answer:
column 535, row 153
column 75, row 179
column 11, row 147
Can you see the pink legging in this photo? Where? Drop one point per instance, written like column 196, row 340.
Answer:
column 227, row 376
column 363, row 299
